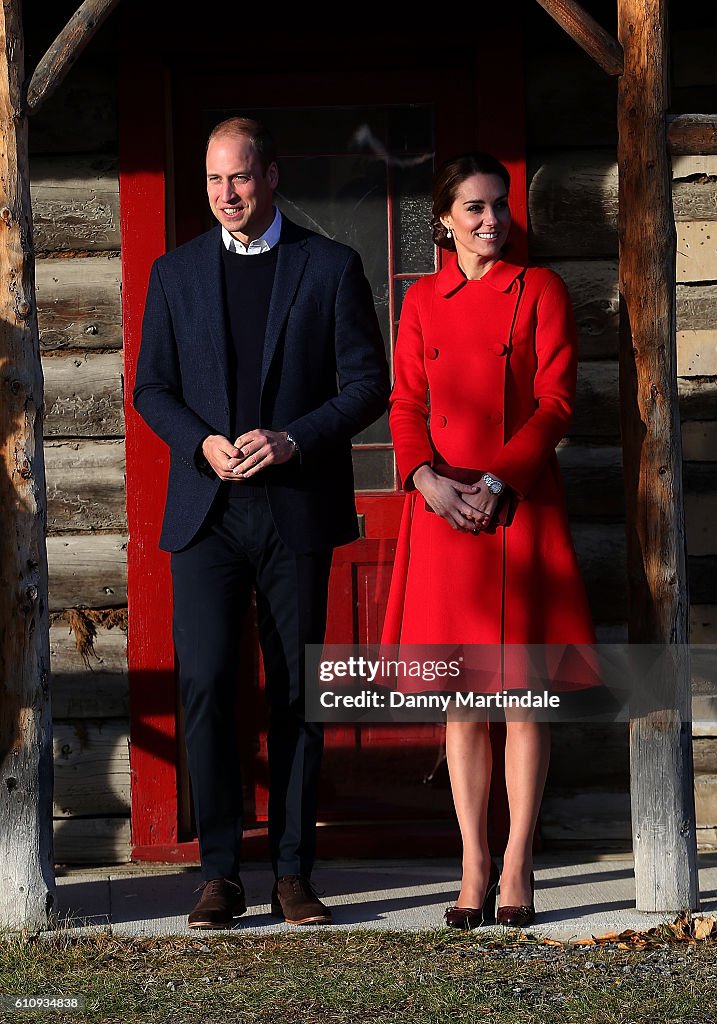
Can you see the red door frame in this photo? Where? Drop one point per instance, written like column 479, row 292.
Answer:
column 145, row 153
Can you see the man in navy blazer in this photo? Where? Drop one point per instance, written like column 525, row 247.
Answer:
column 261, row 358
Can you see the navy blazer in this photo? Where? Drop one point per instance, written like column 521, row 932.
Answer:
column 324, row 378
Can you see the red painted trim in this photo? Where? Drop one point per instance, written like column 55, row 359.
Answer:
column 353, row 839
column 153, row 752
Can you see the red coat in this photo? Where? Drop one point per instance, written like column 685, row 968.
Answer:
column 499, row 358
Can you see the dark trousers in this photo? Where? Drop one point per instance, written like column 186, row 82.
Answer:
column 238, row 548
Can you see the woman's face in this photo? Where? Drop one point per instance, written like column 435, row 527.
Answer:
column 480, row 216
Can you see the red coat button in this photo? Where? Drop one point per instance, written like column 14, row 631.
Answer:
column 438, row 421
column 500, row 348
column 431, row 353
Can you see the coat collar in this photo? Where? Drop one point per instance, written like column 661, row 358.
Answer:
column 500, row 276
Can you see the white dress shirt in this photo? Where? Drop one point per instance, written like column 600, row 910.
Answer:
column 267, row 241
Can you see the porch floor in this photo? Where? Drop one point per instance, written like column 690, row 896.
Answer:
column 576, row 896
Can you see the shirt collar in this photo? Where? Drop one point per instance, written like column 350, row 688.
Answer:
column 267, row 241
column 500, row 276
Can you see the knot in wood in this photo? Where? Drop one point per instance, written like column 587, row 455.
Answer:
column 91, row 329
column 11, row 784
column 16, row 387
column 23, row 309
column 6, row 215
column 654, row 392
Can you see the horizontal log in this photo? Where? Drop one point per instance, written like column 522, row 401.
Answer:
column 700, row 477
column 598, row 820
column 698, row 398
column 92, row 841
column 82, row 117
column 702, row 572
column 92, row 775
column 597, row 413
column 593, row 481
column 593, row 287
column 699, row 441
column 78, row 302
column 695, row 200
column 701, row 523
column 97, row 695
column 83, row 395
column 87, row 572
column 602, row 558
column 696, row 250
column 577, row 748
column 692, row 133
column 704, row 749
column 696, row 307
column 706, row 800
column 85, row 486
column 573, row 204
column 96, row 688
column 706, row 840
column 75, row 203
column 699, row 165
column 703, row 623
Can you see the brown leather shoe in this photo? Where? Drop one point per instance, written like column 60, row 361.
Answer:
column 222, row 899
column 293, row 899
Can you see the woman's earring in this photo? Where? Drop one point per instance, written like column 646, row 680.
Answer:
column 449, row 233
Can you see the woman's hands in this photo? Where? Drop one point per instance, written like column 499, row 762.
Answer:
column 467, row 507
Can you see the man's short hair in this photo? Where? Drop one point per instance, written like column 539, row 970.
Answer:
column 246, row 127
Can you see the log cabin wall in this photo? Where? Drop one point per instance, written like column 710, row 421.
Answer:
column 75, row 200
column 573, row 210
column 572, row 174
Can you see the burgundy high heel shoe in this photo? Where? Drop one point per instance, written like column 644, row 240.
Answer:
column 519, row 917
column 471, row 917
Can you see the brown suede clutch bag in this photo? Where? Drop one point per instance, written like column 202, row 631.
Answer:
column 507, row 503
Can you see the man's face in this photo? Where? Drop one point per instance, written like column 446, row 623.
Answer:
column 240, row 194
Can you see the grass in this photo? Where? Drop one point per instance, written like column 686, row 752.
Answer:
column 323, row 977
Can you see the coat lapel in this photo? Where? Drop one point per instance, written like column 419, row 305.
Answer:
column 211, row 298
column 292, row 257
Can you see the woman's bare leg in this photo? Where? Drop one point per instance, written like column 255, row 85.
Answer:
column 469, row 763
column 527, row 754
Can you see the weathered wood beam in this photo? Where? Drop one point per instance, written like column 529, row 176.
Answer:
column 587, row 33
column 27, row 882
column 692, row 134
column 663, row 810
column 65, row 50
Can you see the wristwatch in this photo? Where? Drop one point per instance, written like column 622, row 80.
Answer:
column 494, row 485
column 294, row 443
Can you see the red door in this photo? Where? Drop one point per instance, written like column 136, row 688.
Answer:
column 358, row 151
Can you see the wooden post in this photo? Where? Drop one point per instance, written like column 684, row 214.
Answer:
column 662, row 792
column 65, row 50
column 27, row 885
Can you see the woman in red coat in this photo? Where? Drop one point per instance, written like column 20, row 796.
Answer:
column 485, row 367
